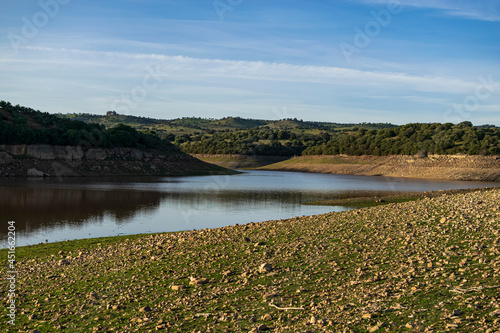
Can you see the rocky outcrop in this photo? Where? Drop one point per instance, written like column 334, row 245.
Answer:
column 96, row 154
column 43, row 152
column 68, row 153
column 16, row 150
column 70, row 161
column 6, row 158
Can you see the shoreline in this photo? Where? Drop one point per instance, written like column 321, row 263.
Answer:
column 433, row 167
column 357, row 270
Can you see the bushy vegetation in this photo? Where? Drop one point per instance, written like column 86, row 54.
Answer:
column 412, row 139
column 22, row 125
column 235, row 135
column 406, row 140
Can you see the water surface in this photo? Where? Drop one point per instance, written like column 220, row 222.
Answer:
column 48, row 210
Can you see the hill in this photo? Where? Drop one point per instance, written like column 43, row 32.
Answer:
column 35, row 143
column 291, row 137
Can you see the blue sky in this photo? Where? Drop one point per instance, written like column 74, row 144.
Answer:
column 340, row 61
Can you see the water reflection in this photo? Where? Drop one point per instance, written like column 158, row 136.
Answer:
column 89, row 207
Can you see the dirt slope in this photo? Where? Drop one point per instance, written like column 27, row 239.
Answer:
column 455, row 167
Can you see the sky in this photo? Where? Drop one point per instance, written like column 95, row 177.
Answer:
column 389, row 61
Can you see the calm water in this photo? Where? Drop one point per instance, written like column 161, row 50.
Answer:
column 55, row 210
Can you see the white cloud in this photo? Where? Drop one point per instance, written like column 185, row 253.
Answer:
column 485, row 10
column 187, row 67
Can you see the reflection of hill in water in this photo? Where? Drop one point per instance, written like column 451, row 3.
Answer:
column 37, row 207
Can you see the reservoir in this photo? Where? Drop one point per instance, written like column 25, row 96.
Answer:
column 50, row 210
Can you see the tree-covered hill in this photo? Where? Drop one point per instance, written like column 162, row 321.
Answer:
column 235, row 135
column 22, row 125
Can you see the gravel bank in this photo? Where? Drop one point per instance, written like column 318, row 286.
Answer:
column 430, row 265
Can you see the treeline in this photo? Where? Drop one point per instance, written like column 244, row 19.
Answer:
column 409, row 139
column 262, row 141
column 22, row 125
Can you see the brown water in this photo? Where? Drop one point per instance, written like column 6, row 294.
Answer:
column 55, row 210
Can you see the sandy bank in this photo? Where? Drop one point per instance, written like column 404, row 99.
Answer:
column 454, row 167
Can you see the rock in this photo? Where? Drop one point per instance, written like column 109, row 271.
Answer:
column 145, row 309
column 267, row 317
column 456, row 313
column 313, row 320
column 443, row 220
column 6, row 158
column 68, row 153
column 93, row 296
column 16, row 150
column 35, row 173
column 259, row 244
column 265, row 268
column 197, row 281
column 495, row 313
column 177, row 287
column 136, row 154
column 43, row 152
column 367, row 316
column 96, row 154
column 63, row 262
column 260, row 328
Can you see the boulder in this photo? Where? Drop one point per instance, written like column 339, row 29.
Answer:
column 96, row 154
column 136, row 154
column 5, row 158
column 43, row 152
column 35, row 173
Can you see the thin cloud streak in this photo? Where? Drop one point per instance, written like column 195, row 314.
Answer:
column 183, row 66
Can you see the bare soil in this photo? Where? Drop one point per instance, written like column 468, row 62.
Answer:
column 445, row 167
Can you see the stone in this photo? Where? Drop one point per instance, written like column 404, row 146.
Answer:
column 136, row 154
column 6, row 158
column 456, row 313
column 93, row 296
column 265, row 268
column 96, row 154
column 267, row 317
column 367, row 316
column 495, row 313
column 43, row 152
column 177, row 287
column 145, row 309
column 197, row 281
column 35, row 173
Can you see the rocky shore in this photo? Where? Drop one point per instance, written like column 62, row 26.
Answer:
column 430, row 265
column 73, row 161
column 444, row 167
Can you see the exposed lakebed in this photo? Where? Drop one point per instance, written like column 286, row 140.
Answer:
column 73, row 208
